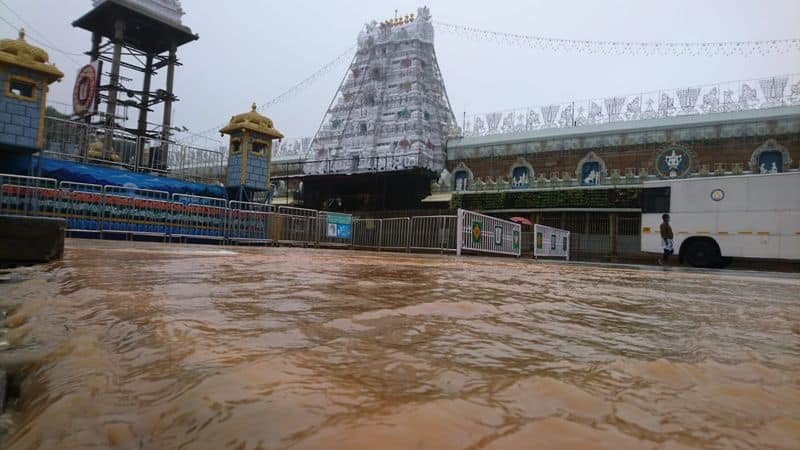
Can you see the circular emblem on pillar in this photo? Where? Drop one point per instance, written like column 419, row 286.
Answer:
column 674, row 161
column 83, row 94
column 717, row 195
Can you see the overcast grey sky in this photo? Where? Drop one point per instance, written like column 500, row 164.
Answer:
column 253, row 50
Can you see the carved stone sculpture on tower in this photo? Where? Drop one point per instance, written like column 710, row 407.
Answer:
column 391, row 112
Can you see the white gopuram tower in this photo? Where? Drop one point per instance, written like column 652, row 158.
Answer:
column 391, row 112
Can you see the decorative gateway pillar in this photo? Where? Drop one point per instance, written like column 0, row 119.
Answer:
column 249, row 154
column 25, row 75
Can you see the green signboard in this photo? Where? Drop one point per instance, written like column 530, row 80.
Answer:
column 477, row 230
column 339, row 219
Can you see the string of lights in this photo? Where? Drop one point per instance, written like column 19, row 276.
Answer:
column 726, row 48
column 295, row 89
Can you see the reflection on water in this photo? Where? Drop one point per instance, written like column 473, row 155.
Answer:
column 312, row 349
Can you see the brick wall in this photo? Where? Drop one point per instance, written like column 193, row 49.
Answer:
column 708, row 152
column 19, row 119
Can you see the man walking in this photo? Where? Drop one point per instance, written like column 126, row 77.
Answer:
column 666, row 240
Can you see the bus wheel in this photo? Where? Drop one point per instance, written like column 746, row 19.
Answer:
column 701, row 252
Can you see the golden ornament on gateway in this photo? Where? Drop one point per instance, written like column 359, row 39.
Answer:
column 18, row 52
column 252, row 121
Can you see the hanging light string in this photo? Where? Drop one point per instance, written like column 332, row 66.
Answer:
column 726, row 48
column 299, row 87
column 287, row 94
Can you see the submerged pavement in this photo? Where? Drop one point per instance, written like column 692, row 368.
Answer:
column 136, row 345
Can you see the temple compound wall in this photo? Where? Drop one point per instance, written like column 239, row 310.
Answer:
column 627, row 153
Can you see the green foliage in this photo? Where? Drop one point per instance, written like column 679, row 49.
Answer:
column 52, row 112
column 571, row 198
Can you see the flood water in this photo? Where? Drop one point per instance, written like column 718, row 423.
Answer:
column 150, row 346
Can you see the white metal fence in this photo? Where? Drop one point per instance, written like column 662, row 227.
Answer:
column 122, row 212
column 433, row 233
column 417, row 233
column 486, row 234
column 550, row 242
column 395, row 234
column 248, row 222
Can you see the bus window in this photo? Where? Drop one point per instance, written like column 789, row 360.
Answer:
column 655, row 200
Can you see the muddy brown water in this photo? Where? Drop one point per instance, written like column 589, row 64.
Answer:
column 152, row 346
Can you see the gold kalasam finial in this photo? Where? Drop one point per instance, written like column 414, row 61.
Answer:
column 254, row 106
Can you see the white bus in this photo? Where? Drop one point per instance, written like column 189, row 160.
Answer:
column 716, row 218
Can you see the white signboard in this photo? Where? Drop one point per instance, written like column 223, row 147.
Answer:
column 487, row 234
column 550, row 242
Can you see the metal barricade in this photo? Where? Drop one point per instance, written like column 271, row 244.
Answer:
column 28, row 196
column 433, row 233
column 151, row 217
column 298, row 225
column 248, row 222
column 486, row 234
column 292, row 230
column 277, row 227
column 22, row 180
column 195, row 164
column 154, row 155
column 395, row 233
column 196, row 217
column 133, row 211
column 65, row 139
column 629, row 234
column 598, row 236
column 367, row 233
column 302, row 212
column 123, row 191
column 29, row 200
column 82, row 206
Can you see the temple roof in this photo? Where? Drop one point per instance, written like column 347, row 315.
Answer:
column 18, row 52
column 252, row 121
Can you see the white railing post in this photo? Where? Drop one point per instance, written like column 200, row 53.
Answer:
column 380, row 233
column 569, row 244
column 459, row 230
column 408, row 233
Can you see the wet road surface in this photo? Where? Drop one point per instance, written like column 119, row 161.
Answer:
column 151, row 346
